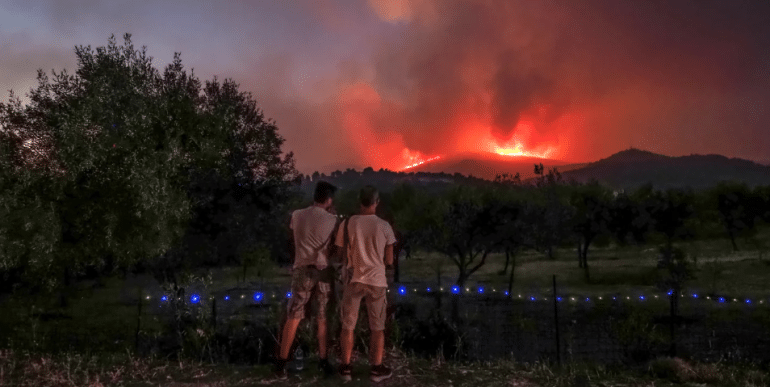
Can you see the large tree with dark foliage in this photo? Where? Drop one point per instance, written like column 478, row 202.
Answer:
column 738, row 209
column 459, row 225
column 549, row 212
column 511, row 231
column 625, row 223
column 592, row 203
column 108, row 160
column 669, row 212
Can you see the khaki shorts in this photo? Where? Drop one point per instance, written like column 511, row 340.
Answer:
column 304, row 281
column 376, row 304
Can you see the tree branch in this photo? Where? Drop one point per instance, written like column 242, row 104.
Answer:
column 480, row 264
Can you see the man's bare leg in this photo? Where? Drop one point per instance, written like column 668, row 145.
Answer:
column 322, row 338
column 289, row 330
column 346, row 343
column 376, row 347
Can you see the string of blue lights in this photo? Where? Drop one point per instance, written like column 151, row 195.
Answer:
column 402, row 291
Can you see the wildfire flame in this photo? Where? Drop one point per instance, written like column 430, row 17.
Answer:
column 413, row 158
column 421, row 162
column 517, row 150
column 518, row 145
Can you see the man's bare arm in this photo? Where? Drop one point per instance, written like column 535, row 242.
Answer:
column 389, row 255
column 292, row 248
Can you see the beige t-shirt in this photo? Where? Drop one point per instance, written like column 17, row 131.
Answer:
column 368, row 237
column 312, row 228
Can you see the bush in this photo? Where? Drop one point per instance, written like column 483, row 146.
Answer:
column 635, row 330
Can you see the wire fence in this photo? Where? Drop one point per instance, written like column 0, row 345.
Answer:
column 481, row 324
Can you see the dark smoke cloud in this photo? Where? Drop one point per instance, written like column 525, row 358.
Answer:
column 644, row 72
column 353, row 83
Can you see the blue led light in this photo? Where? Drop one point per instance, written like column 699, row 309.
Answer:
column 588, row 299
column 428, row 289
column 227, row 298
column 402, row 290
column 194, row 298
column 481, row 290
column 506, row 292
column 748, row 301
column 164, row 298
column 558, row 299
column 258, row 296
column 288, row 294
column 456, row 289
column 670, row 292
column 532, row 298
column 721, row 299
column 695, row 296
column 641, row 297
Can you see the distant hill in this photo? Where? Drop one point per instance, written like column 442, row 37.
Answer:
column 488, row 166
column 627, row 170
column 632, row 168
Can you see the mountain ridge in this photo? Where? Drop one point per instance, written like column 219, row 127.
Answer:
column 627, row 169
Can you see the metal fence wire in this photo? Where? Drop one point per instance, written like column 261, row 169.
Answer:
column 489, row 326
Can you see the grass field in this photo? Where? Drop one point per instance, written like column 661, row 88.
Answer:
column 612, row 269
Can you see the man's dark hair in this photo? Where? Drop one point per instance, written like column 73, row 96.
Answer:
column 368, row 196
column 323, row 191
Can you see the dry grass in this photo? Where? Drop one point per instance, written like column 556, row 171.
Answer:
column 17, row 369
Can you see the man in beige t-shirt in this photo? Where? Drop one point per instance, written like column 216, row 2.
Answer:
column 312, row 228
column 370, row 249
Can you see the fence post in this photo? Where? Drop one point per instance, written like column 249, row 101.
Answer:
column 214, row 314
column 672, row 322
column 556, row 322
column 138, row 320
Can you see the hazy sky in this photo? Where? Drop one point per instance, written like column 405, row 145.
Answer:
column 386, row 82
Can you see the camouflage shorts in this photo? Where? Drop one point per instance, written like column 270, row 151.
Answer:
column 304, row 283
column 376, row 305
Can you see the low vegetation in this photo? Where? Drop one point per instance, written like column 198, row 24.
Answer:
column 28, row 369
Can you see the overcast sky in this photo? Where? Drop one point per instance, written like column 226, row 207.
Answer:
column 385, row 82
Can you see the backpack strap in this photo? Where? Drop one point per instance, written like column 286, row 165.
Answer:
column 346, row 275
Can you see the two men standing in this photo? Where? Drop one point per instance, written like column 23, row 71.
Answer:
column 366, row 244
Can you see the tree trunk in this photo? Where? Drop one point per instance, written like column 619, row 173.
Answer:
column 550, row 252
column 507, row 260
column 456, row 299
column 732, row 240
column 510, row 278
column 674, row 305
column 461, row 280
column 580, row 253
column 585, row 261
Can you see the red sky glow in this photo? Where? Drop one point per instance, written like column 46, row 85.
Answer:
column 395, row 83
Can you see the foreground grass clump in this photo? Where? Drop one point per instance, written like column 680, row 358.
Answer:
column 27, row 369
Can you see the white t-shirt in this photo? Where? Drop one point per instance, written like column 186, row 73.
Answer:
column 368, row 237
column 312, row 228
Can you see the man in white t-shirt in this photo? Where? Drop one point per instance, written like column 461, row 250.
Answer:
column 312, row 228
column 370, row 249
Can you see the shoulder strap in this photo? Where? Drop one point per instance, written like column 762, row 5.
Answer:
column 346, row 243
